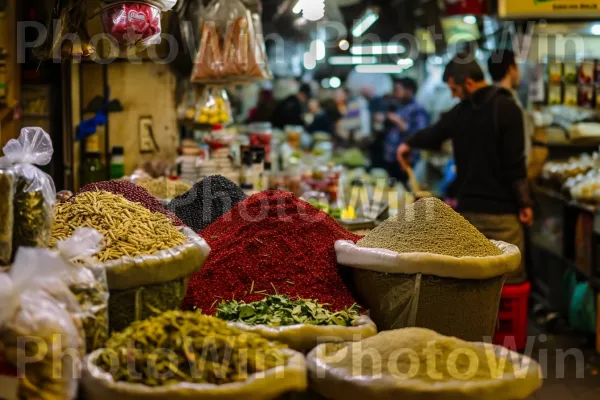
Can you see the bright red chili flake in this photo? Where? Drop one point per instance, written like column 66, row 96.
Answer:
column 270, row 242
column 134, row 193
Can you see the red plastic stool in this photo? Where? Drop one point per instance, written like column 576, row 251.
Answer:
column 512, row 317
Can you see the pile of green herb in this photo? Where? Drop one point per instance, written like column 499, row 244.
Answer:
column 282, row 311
column 179, row 346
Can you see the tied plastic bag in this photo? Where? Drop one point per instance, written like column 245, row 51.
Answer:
column 34, row 193
column 87, row 282
column 231, row 45
column 133, row 25
column 213, row 107
column 38, row 323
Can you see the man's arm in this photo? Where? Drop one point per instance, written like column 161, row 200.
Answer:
column 432, row 137
column 512, row 130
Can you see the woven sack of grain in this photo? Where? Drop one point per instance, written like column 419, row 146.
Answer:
column 399, row 365
column 306, row 337
column 272, row 384
column 144, row 285
column 453, row 296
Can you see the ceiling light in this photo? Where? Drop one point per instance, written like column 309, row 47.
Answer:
column 335, row 82
column 298, row 7
column 406, row 62
column 344, row 44
column 317, row 47
column 325, row 83
column 470, row 19
column 309, row 61
column 379, row 69
column 352, row 60
column 377, row 49
column 596, row 29
column 363, row 24
column 313, row 10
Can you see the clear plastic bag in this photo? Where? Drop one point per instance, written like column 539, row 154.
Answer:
column 232, row 47
column 38, row 311
column 88, row 283
column 133, row 25
column 214, row 107
column 34, row 192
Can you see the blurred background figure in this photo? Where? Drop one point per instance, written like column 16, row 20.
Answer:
column 264, row 108
column 356, row 118
column 291, row 110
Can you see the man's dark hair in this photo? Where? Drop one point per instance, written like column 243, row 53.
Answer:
column 500, row 62
column 462, row 67
column 331, row 109
column 306, row 90
column 408, row 83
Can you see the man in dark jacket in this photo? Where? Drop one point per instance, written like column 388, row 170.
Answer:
column 487, row 134
column 291, row 111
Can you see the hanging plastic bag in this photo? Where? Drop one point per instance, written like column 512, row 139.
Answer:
column 87, row 282
column 213, row 107
column 231, row 47
column 37, row 312
column 34, row 193
column 133, row 25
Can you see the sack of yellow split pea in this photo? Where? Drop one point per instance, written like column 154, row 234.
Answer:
column 147, row 259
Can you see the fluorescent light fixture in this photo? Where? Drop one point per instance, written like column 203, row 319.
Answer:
column 309, row 61
column 317, row 47
column 335, row 82
column 596, row 29
column 470, row 19
column 379, row 69
column 406, row 62
column 344, row 44
column 382, row 48
column 363, row 24
column 352, row 60
column 298, row 7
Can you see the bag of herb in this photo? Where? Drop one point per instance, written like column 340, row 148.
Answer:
column 34, row 192
column 420, row 364
column 301, row 324
column 7, row 188
column 146, row 285
column 41, row 337
column 87, row 282
column 428, row 267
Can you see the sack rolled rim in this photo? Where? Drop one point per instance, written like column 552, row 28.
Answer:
column 296, row 367
column 387, row 261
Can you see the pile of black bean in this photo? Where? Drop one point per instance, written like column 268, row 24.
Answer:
column 206, row 202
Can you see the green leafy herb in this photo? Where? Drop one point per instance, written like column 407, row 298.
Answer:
column 282, row 311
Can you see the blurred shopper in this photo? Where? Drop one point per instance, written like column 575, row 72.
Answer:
column 327, row 119
column 356, row 118
column 291, row 111
column 486, row 129
column 404, row 117
column 505, row 72
column 263, row 112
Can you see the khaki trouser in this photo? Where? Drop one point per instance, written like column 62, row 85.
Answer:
column 506, row 228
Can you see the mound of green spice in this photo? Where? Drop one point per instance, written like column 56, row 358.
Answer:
column 188, row 347
column 282, row 311
column 430, row 226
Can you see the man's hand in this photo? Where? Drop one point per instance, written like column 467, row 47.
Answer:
column 526, row 216
column 396, row 120
column 403, row 154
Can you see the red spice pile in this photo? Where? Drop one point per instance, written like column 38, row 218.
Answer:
column 134, row 193
column 271, row 242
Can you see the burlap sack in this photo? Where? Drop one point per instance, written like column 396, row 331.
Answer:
column 99, row 385
column 457, row 297
column 304, row 338
column 340, row 383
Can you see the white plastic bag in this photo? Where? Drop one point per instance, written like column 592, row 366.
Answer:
column 87, row 281
column 34, row 193
column 37, row 312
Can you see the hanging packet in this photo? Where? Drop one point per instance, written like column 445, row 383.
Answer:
column 34, row 193
column 231, row 45
column 38, row 320
column 213, row 107
column 87, row 281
